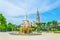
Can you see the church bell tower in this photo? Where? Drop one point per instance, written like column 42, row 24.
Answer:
column 37, row 16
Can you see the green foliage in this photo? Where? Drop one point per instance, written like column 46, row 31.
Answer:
column 12, row 27
column 40, row 26
column 9, row 26
column 2, row 27
column 58, row 28
column 34, row 28
column 52, row 25
column 2, row 22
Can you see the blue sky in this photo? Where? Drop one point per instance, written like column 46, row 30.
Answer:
column 14, row 10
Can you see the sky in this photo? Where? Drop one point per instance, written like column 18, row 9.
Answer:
column 15, row 10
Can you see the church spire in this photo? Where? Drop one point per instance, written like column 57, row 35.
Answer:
column 26, row 16
column 37, row 16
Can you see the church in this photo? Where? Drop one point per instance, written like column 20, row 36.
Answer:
column 27, row 24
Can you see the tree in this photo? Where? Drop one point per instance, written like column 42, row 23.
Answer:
column 34, row 28
column 49, row 26
column 58, row 28
column 43, row 26
column 2, row 27
column 55, row 25
column 39, row 26
column 2, row 22
column 15, row 27
column 10, row 26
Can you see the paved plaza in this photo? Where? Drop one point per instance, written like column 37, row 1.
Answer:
column 43, row 36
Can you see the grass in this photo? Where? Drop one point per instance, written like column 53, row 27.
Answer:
column 56, row 31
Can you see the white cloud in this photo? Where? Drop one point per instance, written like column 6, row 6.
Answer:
column 29, row 6
column 12, row 8
column 14, row 20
